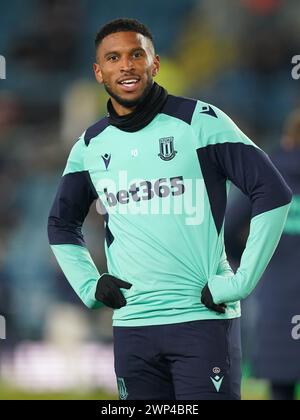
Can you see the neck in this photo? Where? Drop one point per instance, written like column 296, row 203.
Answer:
column 138, row 116
column 120, row 109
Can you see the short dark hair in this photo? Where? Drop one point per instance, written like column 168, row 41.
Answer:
column 122, row 25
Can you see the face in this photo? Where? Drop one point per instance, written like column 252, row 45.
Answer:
column 126, row 65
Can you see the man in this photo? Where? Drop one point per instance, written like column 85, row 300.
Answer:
column 161, row 167
column 275, row 351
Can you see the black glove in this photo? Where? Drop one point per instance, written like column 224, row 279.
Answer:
column 108, row 291
column 207, row 300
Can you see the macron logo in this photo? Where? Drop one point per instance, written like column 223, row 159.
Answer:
column 106, row 160
column 207, row 110
column 217, row 381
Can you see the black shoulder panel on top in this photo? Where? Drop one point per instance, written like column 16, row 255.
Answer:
column 95, row 129
column 109, row 237
column 215, row 183
column 181, row 108
column 71, row 205
column 108, row 234
column 250, row 169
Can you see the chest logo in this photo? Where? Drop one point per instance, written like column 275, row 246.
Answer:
column 106, row 160
column 166, row 148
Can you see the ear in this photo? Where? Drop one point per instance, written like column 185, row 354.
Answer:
column 98, row 73
column 156, row 65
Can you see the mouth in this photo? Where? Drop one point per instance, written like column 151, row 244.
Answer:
column 129, row 84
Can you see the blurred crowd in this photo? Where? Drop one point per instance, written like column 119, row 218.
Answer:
column 235, row 54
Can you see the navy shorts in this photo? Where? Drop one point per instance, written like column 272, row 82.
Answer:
column 196, row 360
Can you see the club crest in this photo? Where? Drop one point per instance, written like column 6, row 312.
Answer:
column 166, row 148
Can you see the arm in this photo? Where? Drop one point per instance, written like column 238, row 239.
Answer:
column 69, row 210
column 265, row 232
column 224, row 268
column 234, row 157
column 237, row 225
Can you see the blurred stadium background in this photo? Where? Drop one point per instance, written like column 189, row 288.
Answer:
column 235, row 54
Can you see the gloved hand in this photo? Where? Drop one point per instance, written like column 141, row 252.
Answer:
column 207, row 300
column 108, row 291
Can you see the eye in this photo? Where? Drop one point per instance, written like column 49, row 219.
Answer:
column 137, row 54
column 112, row 58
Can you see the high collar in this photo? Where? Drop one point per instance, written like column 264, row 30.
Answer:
column 144, row 113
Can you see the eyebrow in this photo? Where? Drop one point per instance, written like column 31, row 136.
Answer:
column 117, row 53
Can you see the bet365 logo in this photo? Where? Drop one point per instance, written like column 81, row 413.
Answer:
column 2, row 328
column 146, row 190
column 2, row 67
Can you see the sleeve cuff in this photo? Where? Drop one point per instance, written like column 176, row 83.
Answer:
column 222, row 289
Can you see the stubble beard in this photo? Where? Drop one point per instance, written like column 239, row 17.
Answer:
column 129, row 103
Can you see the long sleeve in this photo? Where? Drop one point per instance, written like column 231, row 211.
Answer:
column 229, row 156
column 237, row 225
column 71, row 205
column 264, row 235
column 224, row 268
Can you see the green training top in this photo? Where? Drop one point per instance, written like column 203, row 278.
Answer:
column 163, row 190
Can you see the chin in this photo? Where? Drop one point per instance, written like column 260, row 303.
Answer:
column 130, row 101
column 132, row 98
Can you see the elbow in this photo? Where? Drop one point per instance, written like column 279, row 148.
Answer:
column 56, row 231
column 284, row 195
column 287, row 194
column 50, row 231
column 290, row 194
column 63, row 232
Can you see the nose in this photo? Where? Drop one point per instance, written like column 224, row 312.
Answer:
column 126, row 64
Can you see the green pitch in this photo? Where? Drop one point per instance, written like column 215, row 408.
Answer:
column 251, row 390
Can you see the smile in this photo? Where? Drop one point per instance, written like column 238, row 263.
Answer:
column 129, row 84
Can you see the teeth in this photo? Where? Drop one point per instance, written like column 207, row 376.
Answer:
column 129, row 81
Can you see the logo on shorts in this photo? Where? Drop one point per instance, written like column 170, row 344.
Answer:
column 123, row 394
column 217, row 380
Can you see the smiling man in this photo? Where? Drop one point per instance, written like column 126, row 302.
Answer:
column 126, row 65
column 150, row 162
